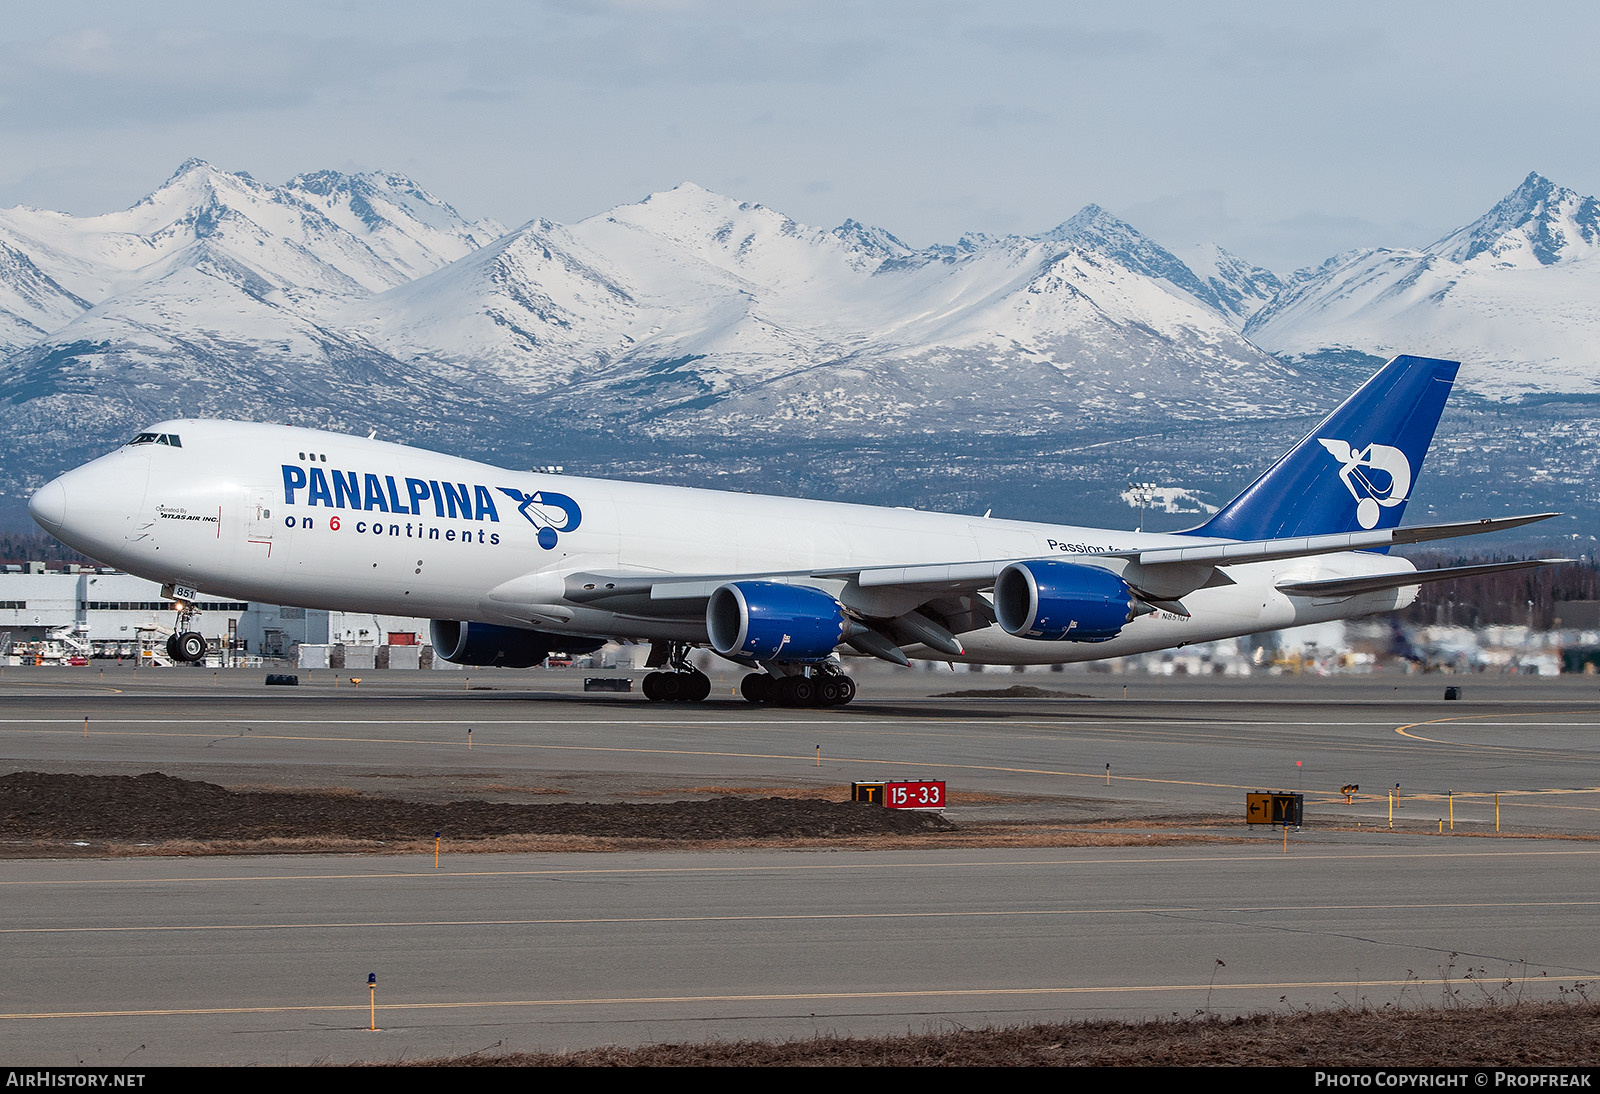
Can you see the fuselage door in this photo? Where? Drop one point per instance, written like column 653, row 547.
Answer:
column 258, row 521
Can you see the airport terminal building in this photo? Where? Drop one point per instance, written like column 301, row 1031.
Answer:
column 97, row 612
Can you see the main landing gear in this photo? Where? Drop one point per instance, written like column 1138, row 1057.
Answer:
column 828, row 687
column 798, row 685
column 684, row 684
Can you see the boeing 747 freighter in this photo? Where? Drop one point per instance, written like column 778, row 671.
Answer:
column 512, row 565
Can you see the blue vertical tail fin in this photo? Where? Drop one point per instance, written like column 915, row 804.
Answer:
column 1355, row 470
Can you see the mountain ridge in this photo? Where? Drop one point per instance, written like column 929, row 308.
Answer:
column 364, row 301
column 1514, row 295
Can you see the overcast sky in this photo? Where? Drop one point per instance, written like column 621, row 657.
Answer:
column 1286, row 133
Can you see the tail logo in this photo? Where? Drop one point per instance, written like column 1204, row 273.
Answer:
column 547, row 511
column 1377, row 476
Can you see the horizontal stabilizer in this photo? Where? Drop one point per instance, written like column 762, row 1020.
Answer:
column 1350, row 586
column 1422, row 533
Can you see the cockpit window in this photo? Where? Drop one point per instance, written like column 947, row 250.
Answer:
column 157, row 438
column 144, row 438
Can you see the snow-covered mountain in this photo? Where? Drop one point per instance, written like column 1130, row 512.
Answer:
column 318, row 233
column 690, row 310
column 362, row 301
column 32, row 303
column 1515, row 296
column 336, row 298
column 1238, row 288
column 1207, row 273
column 210, row 296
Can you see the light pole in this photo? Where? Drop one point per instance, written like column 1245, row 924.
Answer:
column 1144, row 493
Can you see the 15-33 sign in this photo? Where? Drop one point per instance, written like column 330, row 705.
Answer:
column 920, row 795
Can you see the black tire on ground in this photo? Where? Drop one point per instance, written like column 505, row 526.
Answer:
column 847, row 690
column 797, row 691
column 829, row 692
column 172, row 648
column 669, row 685
column 696, row 687
column 757, row 687
column 191, row 647
column 652, row 687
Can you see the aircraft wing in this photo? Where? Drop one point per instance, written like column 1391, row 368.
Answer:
column 1350, row 586
column 1187, row 564
column 1162, row 573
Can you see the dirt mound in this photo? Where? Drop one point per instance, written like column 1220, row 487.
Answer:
column 156, row 807
column 1015, row 691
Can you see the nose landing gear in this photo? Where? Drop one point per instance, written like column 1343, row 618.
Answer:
column 188, row 646
column 185, row 644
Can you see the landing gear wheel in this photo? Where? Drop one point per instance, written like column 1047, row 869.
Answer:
column 172, row 648
column 677, row 687
column 191, row 647
column 835, row 690
column 670, row 687
column 757, row 688
column 797, row 691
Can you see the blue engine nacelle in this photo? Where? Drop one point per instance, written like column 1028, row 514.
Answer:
column 505, row 647
column 766, row 621
column 1056, row 601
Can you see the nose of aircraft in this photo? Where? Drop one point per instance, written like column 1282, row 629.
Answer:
column 90, row 508
column 48, row 506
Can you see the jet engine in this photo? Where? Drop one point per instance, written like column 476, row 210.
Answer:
column 505, row 647
column 766, row 621
column 1056, row 601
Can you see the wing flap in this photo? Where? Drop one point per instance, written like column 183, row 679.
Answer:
column 954, row 575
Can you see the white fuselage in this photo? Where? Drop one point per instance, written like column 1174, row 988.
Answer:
column 254, row 512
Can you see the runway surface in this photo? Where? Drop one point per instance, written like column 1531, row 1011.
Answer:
column 265, row 959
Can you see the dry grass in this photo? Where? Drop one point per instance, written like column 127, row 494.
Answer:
column 1562, row 1034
